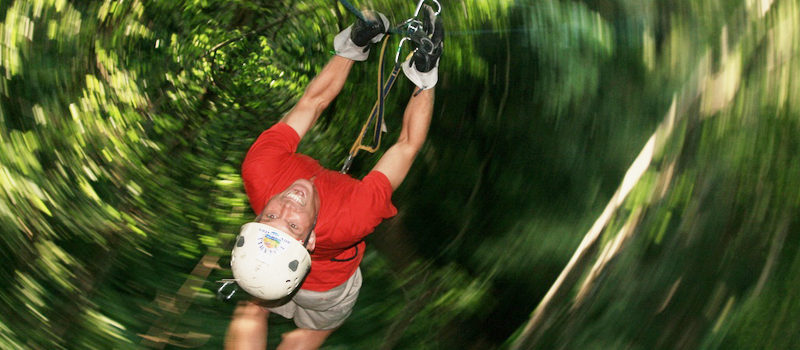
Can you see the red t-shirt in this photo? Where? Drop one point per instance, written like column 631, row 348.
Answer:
column 349, row 209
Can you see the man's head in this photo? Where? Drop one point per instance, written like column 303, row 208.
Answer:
column 294, row 210
column 268, row 263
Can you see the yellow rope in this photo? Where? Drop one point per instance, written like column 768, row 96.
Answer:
column 357, row 145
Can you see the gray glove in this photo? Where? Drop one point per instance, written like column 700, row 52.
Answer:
column 353, row 42
column 423, row 66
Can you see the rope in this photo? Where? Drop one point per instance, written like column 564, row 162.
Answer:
column 376, row 115
column 407, row 29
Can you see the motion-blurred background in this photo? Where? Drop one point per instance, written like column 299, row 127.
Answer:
column 644, row 151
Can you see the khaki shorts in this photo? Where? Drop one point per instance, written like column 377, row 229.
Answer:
column 322, row 310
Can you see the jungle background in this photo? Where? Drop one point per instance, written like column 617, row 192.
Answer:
column 599, row 174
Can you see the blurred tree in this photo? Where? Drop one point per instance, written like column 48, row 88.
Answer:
column 123, row 126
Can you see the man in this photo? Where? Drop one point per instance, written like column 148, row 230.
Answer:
column 330, row 212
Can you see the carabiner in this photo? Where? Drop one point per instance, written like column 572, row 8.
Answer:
column 419, row 7
column 221, row 295
column 413, row 23
column 399, row 48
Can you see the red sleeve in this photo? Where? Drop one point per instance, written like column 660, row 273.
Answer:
column 263, row 160
column 371, row 201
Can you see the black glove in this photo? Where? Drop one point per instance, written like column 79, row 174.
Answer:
column 428, row 42
column 353, row 42
column 422, row 67
column 364, row 32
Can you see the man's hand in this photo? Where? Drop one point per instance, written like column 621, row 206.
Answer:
column 353, row 42
column 423, row 66
column 364, row 33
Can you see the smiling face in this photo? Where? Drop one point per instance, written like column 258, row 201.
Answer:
column 293, row 210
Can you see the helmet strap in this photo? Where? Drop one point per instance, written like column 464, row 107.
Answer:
column 308, row 235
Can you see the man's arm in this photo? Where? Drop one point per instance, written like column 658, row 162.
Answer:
column 351, row 44
column 397, row 160
column 318, row 95
column 423, row 70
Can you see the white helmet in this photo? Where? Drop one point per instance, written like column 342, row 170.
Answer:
column 268, row 263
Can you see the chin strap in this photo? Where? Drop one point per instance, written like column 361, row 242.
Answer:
column 313, row 225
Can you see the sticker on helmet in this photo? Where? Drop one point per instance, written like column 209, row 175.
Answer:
column 272, row 244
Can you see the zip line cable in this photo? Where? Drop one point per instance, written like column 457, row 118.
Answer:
column 354, row 10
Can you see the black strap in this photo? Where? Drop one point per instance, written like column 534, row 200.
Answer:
column 350, row 258
column 308, row 235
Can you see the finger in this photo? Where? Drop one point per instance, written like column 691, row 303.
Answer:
column 438, row 31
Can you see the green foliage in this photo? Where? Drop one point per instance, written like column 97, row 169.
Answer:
column 123, row 125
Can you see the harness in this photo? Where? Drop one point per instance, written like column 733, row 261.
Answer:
column 411, row 30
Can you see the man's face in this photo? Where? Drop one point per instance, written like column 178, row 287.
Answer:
column 293, row 210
